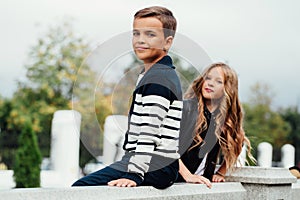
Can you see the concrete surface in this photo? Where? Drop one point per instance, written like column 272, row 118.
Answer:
column 183, row 191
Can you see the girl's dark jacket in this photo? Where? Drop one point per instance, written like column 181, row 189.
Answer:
column 193, row 157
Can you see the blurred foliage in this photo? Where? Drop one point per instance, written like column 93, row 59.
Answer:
column 27, row 159
column 122, row 90
column 292, row 116
column 186, row 72
column 92, row 128
column 53, row 66
column 8, row 137
column 55, row 60
column 262, row 124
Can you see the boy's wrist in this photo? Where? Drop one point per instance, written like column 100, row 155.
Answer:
column 134, row 177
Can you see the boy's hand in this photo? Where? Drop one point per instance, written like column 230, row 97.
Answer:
column 122, row 182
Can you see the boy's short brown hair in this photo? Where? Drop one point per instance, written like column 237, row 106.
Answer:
column 162, row 14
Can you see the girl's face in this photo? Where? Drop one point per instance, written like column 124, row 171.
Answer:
column 213, row 86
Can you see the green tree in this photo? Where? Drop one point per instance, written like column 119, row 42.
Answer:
column 54, row 63
column 262, row 124
column 8, row 137
column 52, row 69
column 92, row 109
column 292, row 116
column 28, row 159
column 186, row 72
column 56, row 58
column 122, row 90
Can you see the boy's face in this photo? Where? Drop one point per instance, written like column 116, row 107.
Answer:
column 148, row 40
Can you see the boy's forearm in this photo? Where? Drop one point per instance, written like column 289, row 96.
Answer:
column 134, row 177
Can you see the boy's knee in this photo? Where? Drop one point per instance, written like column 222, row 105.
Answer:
column 164, row 185
column 78, row 183
column 166, row 182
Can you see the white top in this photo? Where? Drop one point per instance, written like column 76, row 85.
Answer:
column 139, row 79
column 200, row 170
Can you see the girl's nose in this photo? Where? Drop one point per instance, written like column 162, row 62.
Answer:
column 210, row 83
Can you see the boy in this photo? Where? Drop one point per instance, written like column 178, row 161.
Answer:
column 151, row 141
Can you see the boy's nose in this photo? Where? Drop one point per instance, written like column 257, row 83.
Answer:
column 141, row 39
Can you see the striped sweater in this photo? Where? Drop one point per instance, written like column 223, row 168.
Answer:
column 154, row 119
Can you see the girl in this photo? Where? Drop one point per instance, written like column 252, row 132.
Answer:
column 212, row 121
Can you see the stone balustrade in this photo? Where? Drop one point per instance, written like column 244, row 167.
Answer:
column 245, row 183
column 265, row 183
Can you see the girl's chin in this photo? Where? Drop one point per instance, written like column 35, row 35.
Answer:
column 208, row 97
column 211, row 99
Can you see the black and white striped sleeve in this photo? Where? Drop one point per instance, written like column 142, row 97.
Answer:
column 151, row 107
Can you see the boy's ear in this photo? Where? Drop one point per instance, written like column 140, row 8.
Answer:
column 168, row 43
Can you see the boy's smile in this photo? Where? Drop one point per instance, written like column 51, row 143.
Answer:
column 149, row 42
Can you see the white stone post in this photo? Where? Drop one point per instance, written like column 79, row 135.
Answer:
column 64, row 155
column 115, row 127
column 265, row 153
column 287, row 156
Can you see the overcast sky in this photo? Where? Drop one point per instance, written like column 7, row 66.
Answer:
column 258, row 38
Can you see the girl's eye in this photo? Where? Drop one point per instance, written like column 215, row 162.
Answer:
column 207, row 78
column 220, row 82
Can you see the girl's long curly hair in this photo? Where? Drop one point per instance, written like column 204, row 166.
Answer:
column 229, row 120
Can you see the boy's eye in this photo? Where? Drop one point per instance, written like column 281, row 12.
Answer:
column 135, row 33
column 150, row 34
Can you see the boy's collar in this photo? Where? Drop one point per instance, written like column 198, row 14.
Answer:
column 166, row 60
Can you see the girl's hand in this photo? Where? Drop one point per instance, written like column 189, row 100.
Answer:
column 218, row 178
column 193, row 178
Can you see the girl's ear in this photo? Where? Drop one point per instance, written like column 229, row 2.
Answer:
column 168, row 43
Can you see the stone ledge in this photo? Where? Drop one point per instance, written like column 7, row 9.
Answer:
column 296, row 189
column 265, row 183
column 262, row 175
column 296, row 185
column 228, row 190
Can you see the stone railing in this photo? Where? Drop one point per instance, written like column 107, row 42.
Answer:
column 245, row 183
column 265, row 183
column 177, row 191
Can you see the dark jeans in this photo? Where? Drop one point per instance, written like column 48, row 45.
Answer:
column 160, row 178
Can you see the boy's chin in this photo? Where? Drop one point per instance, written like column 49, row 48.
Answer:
column 143, row 58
